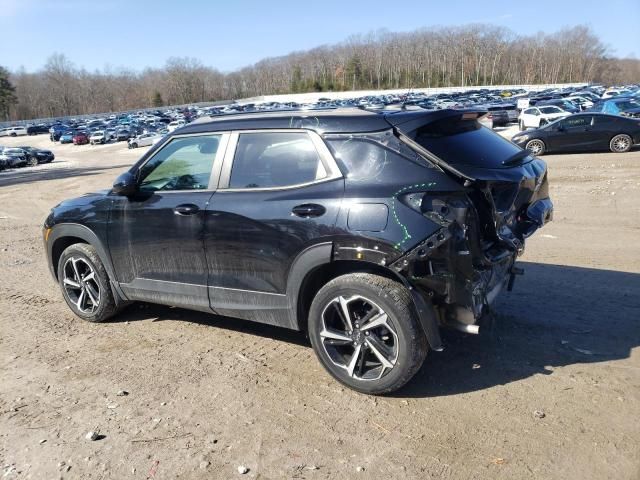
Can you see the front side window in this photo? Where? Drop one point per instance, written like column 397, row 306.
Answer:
column 275, row 159
column 182, row 164
column 548, row 110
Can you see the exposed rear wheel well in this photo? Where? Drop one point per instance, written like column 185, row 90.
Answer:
column 320, row 276
column 59, row 246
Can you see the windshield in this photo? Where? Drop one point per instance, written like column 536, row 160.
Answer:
column 466, row 142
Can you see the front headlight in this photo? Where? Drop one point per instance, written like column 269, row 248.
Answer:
column 520, row 138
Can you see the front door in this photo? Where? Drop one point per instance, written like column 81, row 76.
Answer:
column 576, row 133
column 156, row 236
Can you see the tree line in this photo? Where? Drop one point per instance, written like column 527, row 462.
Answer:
column 430, row 57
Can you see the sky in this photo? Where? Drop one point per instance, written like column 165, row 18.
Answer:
column 227, row 35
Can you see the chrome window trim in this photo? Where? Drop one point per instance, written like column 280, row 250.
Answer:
column 216, row 166
column 324, row 154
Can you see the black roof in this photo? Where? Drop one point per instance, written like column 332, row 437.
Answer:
column 341, row 120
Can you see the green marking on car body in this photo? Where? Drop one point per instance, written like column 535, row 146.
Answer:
column 405, row 231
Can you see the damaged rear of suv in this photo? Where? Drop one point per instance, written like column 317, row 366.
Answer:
column 370, row 231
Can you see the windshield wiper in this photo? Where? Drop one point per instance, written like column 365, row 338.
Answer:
column 516, row 159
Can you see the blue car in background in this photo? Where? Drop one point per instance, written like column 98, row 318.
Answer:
column 626, row 106
column 67, row 137
column 57, row 130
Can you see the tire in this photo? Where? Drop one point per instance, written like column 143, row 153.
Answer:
column 33, row 161
column 398, row 336
column 86, row 260
column 134, row 145
column 13, row 134
column 536, row 147
column 621, row 143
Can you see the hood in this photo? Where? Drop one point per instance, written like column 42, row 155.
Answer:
column 84, row 199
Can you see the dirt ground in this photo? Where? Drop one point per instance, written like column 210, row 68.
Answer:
column 208, row 394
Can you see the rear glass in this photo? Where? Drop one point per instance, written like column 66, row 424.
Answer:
column 466, row 142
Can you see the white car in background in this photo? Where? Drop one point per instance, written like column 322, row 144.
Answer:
column 176, row 124
column 99, row 136
column 14, row 131
column 145, row 140
column 534, row 117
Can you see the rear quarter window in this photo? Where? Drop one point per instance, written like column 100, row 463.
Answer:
column 362, row 159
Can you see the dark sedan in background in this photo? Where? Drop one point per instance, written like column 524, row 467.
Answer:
column 582, row 132
column 38, row 155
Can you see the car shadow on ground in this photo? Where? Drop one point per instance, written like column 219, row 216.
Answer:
column 555, row 316
column 45, row 172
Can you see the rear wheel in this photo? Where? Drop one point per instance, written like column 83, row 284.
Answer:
column 366, row 333
column 620, row 143
column 536, row 146
column 33, row 161
column 85, row 283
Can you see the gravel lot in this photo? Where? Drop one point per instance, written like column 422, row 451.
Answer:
column 208, row 394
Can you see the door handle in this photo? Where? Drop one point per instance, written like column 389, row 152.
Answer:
column 186, row 209
column 308, row 210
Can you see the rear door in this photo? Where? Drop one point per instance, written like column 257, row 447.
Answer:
column 280, row 192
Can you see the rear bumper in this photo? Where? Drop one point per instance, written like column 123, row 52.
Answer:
column 462, row 268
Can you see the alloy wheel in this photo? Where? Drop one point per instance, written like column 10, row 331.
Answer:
column 81, row 285
column 620, row 143
column 536, row 147
column 358, row 336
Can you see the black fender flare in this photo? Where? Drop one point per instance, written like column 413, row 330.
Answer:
column 321, row 254
column 62, row 230
column 308, row 260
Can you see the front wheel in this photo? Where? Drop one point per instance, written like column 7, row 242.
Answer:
column 620, row 143
column 366, row 333
column 33, row 161
column 536, row 146
column 85, row 283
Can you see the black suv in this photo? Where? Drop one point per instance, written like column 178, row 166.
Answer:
column 369, row 231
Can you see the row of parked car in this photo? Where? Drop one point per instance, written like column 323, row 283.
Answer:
column 15, row 157
column 531, row 110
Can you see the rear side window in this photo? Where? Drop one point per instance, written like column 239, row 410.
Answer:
column 465, row 142
column 275, row 159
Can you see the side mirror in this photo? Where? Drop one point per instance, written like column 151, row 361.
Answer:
column 125, row 185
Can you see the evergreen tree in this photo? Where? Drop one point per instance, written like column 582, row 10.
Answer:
column 7, row 94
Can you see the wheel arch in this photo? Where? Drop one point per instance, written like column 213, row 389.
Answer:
column 314, row 268
column 64, row 235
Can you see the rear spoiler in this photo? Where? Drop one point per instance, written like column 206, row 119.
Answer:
column 408, row 121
